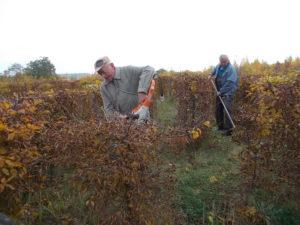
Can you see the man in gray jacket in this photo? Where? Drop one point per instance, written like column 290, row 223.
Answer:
column 123, row 87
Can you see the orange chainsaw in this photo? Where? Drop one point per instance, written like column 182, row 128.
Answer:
column 141, row 112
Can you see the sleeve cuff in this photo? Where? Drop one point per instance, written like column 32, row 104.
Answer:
column 142, row 89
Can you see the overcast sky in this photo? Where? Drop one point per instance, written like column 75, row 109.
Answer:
column 178, row 35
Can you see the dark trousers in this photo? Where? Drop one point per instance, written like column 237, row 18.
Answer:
column 222, row 118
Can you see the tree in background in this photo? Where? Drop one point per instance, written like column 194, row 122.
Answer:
column 40, row 68
column 15, row 69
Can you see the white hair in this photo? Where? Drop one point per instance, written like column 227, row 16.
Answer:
column 224, row 57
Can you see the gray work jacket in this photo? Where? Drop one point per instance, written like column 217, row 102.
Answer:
column 121, row 94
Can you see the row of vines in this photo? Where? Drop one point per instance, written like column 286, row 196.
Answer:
column 267, row 113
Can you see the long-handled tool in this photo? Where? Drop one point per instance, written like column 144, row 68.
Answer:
column 223, row 104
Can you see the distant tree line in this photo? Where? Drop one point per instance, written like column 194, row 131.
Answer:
column 38, row 68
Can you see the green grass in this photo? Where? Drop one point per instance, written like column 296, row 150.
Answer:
column 209, row 183
column 207, row 177
column 166, row 111
column 273, row 210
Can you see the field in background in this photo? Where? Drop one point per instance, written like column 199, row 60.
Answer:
column 62, row 163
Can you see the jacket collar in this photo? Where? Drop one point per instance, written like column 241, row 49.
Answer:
column 117, row 76
column 224, row 67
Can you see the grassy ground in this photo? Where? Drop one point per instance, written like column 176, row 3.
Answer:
column 208, row 177
column 165, row 111
column 208, row 183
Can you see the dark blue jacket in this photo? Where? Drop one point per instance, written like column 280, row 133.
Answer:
column 226, row 79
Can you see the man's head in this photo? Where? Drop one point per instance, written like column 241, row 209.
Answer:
column 224, row 60
column 105, row 68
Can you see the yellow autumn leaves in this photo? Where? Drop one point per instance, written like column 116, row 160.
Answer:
column 18, row 124
column 9, row 170
column 196, row 133
column 213, row 179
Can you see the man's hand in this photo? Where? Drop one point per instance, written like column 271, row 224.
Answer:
column 221, row 95
column 224, row 97
column 141, row 96
column 143, row 114
column 211, row 77
column 123, row 116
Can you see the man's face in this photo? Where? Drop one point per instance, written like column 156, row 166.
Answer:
column 223, row 62
column 107, row 72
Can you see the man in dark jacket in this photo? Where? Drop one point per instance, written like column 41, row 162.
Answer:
column 226, row 78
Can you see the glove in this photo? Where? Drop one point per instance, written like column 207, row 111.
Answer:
column 144, row 114
column 212, row 76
